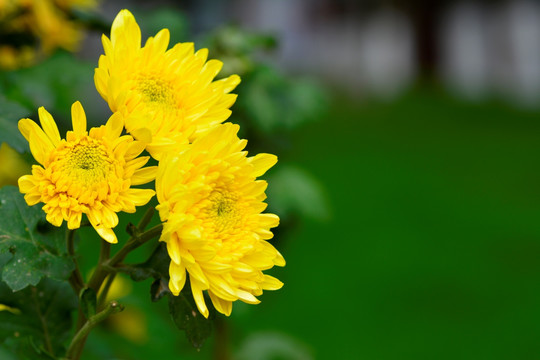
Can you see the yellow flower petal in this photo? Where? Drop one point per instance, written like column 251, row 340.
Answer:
column 125, row 30
column 223, row 306
column 78, row 118
column 144, row 175
column 26, row 183
column 271, row 283
column 114, row 126
column 196, row 289
column 262, row 162
column 107, row 234
column 40, row 146
column 49, row 126
column 26, row 126
column 177, row 278
column 174, row 251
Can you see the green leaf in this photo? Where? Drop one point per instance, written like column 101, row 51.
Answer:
column 40, row 316
column 182, row 308
column 157, row 266
column 55, row 84
column 30, row 247
column 158, row 289
column 23, row 348
column 186, row 317
column 88, row 301
column 293, row 191
column 10, row 114
column 272, row 101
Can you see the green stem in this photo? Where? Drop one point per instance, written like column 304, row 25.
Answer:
column 221, row 344
column 101, row 272
column 95, row 283
column 105, row 290
column 147, row 217
column 105, row 266
column 73, row 351
column 75, row 279
column 134, row 243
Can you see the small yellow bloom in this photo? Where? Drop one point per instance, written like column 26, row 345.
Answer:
column 214, row 228
column 87, row 173
column 13, row 165
column 168, row 93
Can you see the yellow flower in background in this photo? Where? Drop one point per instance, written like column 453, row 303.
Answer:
column 211, row 205
column 12, row 310
column 87, row 173
column 53, row 27
column 34, row 28
column 13, row 165
column 13, row 58
column 70, row 4
column 168, row 93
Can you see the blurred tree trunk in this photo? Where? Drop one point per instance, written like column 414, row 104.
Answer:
column 425, row 16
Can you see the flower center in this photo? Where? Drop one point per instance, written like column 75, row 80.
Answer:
column 223, row 209
column 86, row 157
column 156, row 91
column 83, row 167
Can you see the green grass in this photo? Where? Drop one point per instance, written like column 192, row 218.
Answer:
column 433, row 249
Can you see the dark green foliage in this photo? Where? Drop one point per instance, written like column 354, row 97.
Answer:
column 268, row 100
column 40, row 319
column 187, row 317
column 30, row 248
column 157, row 266
column 182, row 308
column 55, row 84
column 158, row 289
column 10, row 113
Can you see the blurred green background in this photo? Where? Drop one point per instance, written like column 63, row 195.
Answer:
column 409, row 208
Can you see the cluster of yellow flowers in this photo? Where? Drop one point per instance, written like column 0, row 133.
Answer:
column 210, row 202
column 39, row 27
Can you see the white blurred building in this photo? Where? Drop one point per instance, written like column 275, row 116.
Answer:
column 483, row 48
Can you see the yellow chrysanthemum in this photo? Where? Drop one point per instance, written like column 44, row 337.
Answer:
column 87, row 173
column 41, row 25
column 169, row 92
column 211, row 204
